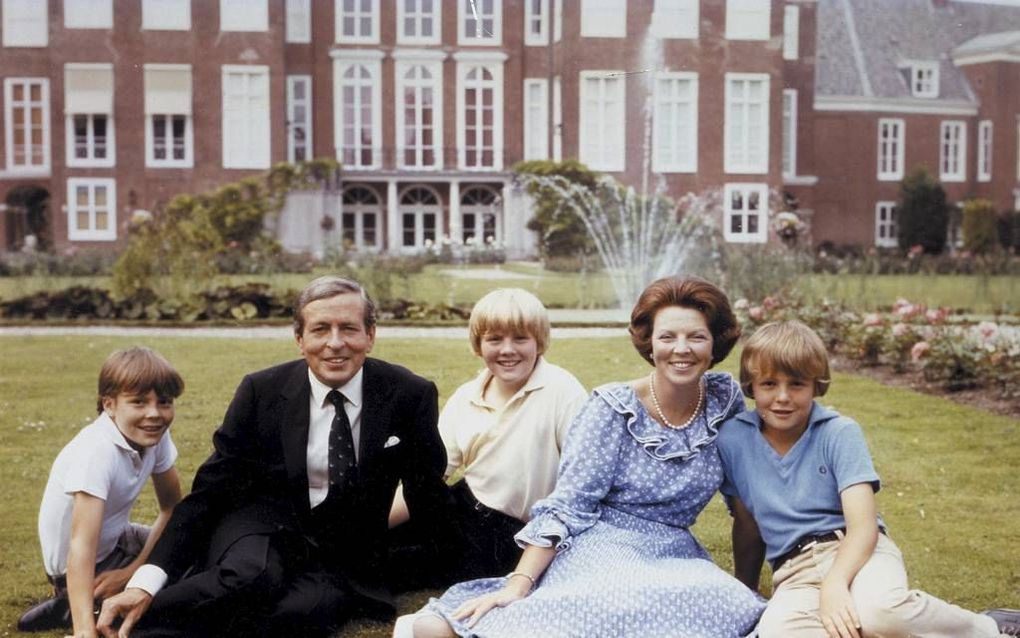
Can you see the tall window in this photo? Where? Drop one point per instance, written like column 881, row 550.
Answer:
column 360, row 138
column 299, row 118
column 299, row 20
column 603, row 18
column 984, row 167
column 676, row 19
column 419, row 21
column 746, row 211
column 603, row 124
column 88, row 105
column 791, row 32
column 536, row 119
column 168, row 132
column 91, row 209
column 359, row 218
column 245, row 116
column 244, row 15
column 357, row 21
column 891, row 141
column 789, row 132
column 480, row 216
column 88, row 14
column 419, row 115
column 675, row 136
column 480, row 22
column 924, row 79
column 419, row 215
column 166, row 15
column 27, row 123
column 480, row 116
column 25, row 23
column 536, row 22
column 747, row 123
column 885, row 225
column 748, row 19
column 953, row 151
column 557, row 119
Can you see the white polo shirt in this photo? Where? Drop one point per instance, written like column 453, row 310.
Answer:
column 99, row 462
column 510, row 455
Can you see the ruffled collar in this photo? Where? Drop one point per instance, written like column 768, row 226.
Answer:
column 661, row 443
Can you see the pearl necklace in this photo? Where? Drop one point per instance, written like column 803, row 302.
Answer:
column 658, row 408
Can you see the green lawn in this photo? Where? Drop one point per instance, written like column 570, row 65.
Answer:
column 951, row 492
column 440, row 284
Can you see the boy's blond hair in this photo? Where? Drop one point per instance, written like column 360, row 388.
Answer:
column 511, row 311
column 138, row 370
column 789, row 347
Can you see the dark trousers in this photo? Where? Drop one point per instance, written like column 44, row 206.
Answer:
column 482, row 546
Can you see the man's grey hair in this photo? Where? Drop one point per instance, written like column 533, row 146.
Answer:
column 331, row 286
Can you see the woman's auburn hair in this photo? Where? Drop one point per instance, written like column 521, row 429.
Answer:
column 685, row 292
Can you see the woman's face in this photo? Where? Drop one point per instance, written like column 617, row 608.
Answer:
column 510, row 357
column 681, row 345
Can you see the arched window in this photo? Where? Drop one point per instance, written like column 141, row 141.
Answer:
column 359, row 218
column 479, row 102
column 480, row 215
column 420, row 213
column 358, row 113
column 419, row 118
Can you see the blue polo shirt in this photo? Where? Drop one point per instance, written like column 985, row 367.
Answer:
column 796, row 494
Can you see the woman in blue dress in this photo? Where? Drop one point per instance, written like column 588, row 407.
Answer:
column 610, row 552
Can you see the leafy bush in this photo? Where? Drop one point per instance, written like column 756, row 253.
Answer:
column 922, row 216
column 980, row 227
column 73, row 263
column 561, row 232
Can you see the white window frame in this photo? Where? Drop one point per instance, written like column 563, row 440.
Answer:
column 531, row 18
column 244, row 15
column 748, row 19
column 19, row 31
column 88, row 14
column 891, row 149
column 371, row 61
column 536, row 118
column 358, row 37
column 744, row 236
column 984, row 154
column 298, row 16
column 476, row 230
column 495, row 69
column 885, row 224
column 557, row 20
column 603, row 18
column 465, row 13
column 419, row 213
column 609, row 150
column 360, row 211
column 292, row 104
column 27, row 104
column 419, row 17
column 247, row 158
column 74, row 233
column 150, row 142
column 684, row 152
column 789, row 132
column 432, row 62
column 953, row 151
column 738, row 145
column 69, row 130
column 924, row 79
column 677, row 19
column 557, row 119
column 791, row 32
column 166, row 15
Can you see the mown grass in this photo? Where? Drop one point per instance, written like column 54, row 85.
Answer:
column 439, row 283
column 951, row 492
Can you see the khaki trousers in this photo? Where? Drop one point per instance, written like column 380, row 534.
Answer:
column 886, row 607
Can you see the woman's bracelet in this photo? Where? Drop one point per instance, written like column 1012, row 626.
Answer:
column 530, row 578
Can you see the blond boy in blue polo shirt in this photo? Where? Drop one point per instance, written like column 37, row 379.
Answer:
column 801, row 486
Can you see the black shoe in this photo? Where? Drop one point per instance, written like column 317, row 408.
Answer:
column 1007, row 620
column 53, row 613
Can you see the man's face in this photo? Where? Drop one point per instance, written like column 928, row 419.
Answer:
column 334, row 340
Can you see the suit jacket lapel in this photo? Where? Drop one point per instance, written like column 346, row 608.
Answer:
column 375, row 415
column 293, row 415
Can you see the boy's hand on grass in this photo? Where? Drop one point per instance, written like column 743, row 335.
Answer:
column 112, row 582
column 475, row 608
column 837, row 611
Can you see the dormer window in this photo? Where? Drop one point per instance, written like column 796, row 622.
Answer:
column 924, row 79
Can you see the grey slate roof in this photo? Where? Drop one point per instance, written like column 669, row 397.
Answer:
column 863, row 46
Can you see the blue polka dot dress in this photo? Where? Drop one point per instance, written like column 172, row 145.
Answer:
column 627, row 564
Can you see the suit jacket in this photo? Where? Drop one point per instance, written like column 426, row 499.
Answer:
column 256, row 480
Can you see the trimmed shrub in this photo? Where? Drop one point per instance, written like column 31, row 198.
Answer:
column 923, row 213
column 561, row 232
column 980, row 232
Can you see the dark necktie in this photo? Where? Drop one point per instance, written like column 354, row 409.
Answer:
column 342, row 461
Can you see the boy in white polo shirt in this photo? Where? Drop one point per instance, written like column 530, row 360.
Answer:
column 90, row 547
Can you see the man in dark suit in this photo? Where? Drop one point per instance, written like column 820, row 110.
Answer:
column 284, row 530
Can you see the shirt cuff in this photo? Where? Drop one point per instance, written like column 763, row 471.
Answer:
column 148, row 578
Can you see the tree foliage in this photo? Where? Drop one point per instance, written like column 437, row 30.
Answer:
column 980, row 226
column 922, row 218
column 561, row 232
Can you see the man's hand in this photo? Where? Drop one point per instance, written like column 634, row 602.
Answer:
column 112, row 582
column 130, row 604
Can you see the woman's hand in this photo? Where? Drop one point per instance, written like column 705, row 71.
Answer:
column 111, row 582
column 837, row 611
column 514, row 589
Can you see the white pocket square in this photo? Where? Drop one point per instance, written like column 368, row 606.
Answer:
column 390, row 442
